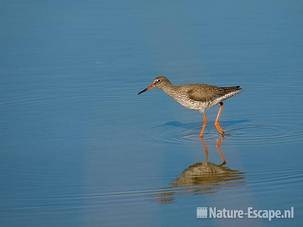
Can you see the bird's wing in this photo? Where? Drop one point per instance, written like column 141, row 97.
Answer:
column 208, row 93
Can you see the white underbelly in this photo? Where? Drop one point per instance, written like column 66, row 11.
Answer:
column 193, row 105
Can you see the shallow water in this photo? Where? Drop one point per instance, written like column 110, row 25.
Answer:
column 79, row 147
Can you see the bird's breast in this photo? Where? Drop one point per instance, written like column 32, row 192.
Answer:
column 190, row 104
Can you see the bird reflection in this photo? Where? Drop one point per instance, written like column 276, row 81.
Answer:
column 203, row 177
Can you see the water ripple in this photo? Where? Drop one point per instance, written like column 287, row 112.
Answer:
column 239, row 132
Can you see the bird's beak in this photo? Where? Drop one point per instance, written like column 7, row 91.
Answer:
column 149, row 87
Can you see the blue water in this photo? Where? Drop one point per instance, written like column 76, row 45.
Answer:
column 78, row 147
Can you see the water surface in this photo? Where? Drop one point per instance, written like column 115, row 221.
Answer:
column 78, row 147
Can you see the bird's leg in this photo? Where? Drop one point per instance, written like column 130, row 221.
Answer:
column 204, row 124
column 217, row 123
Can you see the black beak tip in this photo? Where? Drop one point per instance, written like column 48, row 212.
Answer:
column 142, row 91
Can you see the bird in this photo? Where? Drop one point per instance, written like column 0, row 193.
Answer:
column 198, row 97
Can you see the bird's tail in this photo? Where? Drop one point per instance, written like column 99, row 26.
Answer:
column 229, row 92
column 231, row 89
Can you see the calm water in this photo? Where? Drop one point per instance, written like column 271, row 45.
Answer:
column 80, row 148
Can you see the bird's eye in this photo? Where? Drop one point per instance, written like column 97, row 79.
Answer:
column 157, row 81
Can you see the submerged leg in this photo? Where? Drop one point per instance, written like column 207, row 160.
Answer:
column 204, row 124
column 217, row 123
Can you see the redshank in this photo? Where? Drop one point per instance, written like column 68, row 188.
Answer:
column 198, row 97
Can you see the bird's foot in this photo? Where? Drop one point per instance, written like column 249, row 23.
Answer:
column 221, row 132
column 219, row 129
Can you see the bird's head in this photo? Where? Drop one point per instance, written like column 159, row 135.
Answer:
column 159, row 82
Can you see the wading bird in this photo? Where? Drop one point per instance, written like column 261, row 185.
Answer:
column 198, row 97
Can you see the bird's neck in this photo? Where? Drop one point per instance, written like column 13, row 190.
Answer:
column 169, row 89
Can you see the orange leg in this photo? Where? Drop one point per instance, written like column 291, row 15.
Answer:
column 204, row 125
column 217, row 123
